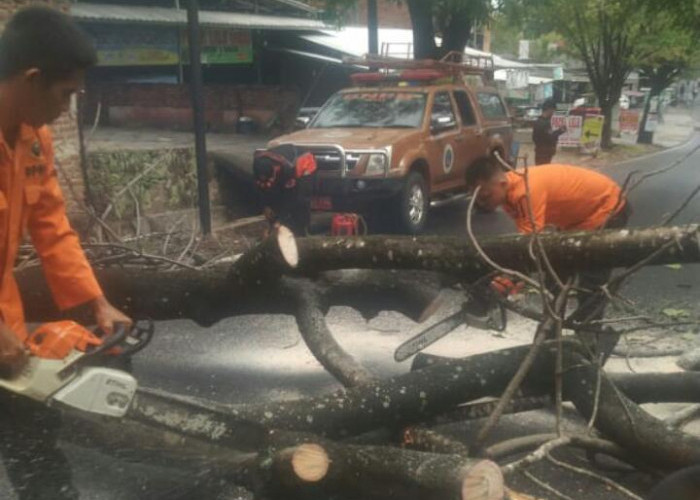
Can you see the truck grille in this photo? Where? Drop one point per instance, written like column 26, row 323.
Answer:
column 330, row 159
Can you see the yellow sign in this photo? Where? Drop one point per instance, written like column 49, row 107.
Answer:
column 591, row 133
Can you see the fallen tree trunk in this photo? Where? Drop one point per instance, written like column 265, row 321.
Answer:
column 130, row 440
column 690, row 361
column 415, row 294
column 625, row 422
column 456, row 256
column 311, row 321
column 208, row 295
column 618, row 416
column 381, row 472
column 681, row 387
column 397, row 401
column 642, row 388
column 204, row 296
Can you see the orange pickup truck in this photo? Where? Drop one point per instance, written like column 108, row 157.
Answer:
column 399, row 143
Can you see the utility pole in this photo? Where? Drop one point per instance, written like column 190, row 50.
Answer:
column 373, row 26
column 197, row 95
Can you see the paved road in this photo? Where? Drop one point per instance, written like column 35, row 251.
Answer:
column 260, row 357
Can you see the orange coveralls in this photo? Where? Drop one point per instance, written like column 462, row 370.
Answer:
column 30, row 198
column 562, row 196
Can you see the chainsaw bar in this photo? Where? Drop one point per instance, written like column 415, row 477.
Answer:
column 429, row 336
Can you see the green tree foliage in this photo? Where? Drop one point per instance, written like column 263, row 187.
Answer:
column 667, row 48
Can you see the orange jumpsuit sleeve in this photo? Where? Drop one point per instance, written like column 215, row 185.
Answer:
column 539, row 208
column 68, row 273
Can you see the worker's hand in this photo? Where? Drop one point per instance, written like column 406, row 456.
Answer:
column 13, row 354
column 563, row 129
column 503, row 286
column 107, row 315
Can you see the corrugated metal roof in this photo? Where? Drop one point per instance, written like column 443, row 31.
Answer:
column 161, row 15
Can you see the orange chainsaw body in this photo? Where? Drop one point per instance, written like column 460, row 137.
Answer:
column 56, row 340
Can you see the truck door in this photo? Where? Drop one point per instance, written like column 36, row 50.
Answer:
column 445, row 141
column 473, row 144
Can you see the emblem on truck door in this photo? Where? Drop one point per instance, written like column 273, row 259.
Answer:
column 448, row 158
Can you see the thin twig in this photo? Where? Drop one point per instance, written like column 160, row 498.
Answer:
column 661, row 170
column 137, row 208
column 596, row 396
column 192, row 238
column 537, row 455
column 482, row 254
column 591, row 474
column 531, row 216
column 545, row 486
column 170, row 233
column 685, row 203
column 558, row 377
column 138, row 177
column 543, row 330
column 98, row 113
column 84, row 207
column 684, row 416
column 619, row 320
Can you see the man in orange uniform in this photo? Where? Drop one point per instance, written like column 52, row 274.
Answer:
column 43, row 58
column 562, row 197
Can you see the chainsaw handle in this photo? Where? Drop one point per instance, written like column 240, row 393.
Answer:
column 118, row 335
column 141, row 335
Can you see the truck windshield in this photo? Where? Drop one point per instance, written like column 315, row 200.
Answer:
column 373, row 110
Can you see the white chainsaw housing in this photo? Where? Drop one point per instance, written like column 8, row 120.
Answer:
column 104, row 391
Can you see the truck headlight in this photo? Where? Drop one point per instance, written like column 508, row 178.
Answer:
column 376, row 164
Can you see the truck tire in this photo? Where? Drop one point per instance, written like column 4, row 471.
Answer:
column 414, row 202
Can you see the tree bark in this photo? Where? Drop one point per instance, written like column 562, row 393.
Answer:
column 660, row 78
column 415, row 294
column 618, row 416
column 690, row 361
column 572, row 251
column 682, row 387
column 625, row 422
column 311, row 321
column 207, row 296
column 642, row 388
column 401, row 400
column 423, row 30
column 386, row 473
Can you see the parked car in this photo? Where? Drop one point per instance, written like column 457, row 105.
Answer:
column 400, row 142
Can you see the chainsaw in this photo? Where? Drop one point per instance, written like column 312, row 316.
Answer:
column 64, row 367
column 478, row 311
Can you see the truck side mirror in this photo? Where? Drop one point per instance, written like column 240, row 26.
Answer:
column 301, row 122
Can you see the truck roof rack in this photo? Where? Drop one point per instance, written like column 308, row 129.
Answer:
column 455, row 65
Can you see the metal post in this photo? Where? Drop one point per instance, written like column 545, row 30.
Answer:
column 373, row 26
column 197, row 94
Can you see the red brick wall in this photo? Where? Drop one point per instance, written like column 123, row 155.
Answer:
column 168, row 106
column 65, row 130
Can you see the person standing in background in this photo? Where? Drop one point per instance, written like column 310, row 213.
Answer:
column 543, row 136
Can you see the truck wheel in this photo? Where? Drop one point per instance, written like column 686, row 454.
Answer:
column 414, row 203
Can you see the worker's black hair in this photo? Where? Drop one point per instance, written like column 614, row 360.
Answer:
column 549, row 104
column 482, row 170
column 44, row 38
